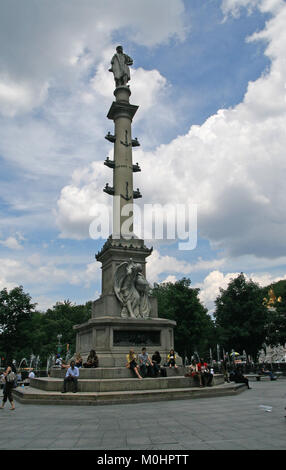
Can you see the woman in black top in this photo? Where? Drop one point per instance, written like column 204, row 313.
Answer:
column 9, row 385
column 239, row 378
column 92, row 360
column 156, row 359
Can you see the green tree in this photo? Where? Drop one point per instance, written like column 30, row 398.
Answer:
column 178, row 301
column 16, row 309
column 276, row 321
column 241, row 316
column 60, row 319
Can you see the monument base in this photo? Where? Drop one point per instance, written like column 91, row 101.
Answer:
column 113, row 337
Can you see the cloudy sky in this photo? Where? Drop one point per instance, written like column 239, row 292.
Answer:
column 209, row 78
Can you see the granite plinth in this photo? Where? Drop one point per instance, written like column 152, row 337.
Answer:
column 113, row 337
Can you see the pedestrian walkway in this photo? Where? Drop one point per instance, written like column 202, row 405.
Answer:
column 253, row 420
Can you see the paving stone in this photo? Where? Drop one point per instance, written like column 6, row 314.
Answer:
column 224, row 423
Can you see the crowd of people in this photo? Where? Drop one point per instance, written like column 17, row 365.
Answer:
column 142, row 365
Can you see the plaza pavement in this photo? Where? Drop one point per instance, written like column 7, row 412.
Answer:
column 226, row 423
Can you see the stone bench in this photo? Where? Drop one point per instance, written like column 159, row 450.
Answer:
column 258, row 377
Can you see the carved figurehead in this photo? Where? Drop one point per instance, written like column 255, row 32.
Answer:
column 120, row 67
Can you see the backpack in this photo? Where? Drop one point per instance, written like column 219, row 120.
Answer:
column 11, row 377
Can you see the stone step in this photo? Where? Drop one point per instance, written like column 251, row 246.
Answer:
column 121, row 384
column 113, row 372
column 31, row 395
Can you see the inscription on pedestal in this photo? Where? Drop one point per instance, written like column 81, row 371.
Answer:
column 136, row 338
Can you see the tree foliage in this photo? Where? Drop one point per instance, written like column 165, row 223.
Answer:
column 178, row 301
column 241, row 316
column 16, row 310
column 60, row 320
column 276, row 322
column 24, row 331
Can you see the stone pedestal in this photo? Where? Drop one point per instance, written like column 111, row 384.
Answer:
column 113, row 337
column 107, row 332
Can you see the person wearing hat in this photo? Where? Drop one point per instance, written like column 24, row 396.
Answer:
column 58, row 361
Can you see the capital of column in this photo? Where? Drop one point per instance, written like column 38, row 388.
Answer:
column 122, row 109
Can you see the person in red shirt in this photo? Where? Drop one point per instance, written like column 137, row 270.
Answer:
column 204, row 374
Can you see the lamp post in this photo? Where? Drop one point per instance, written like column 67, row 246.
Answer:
column 218, row 352
column 59, row 347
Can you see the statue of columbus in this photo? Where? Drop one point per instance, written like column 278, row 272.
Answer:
column 119, row 67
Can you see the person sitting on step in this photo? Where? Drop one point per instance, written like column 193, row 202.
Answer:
column 131, row 363
column 145, row 364
column 92, row 360
column 157, row 368
column 72, row 375
column 172, row 359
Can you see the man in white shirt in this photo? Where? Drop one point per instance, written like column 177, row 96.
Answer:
column 72, row 375
column 31, row 374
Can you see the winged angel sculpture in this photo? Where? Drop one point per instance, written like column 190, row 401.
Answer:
column 132, row 289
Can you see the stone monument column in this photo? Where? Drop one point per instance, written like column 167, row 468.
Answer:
column 125, row 315
column 122, row 113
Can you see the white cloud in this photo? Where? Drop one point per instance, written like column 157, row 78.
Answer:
column 160, row 264
column 53, row 106
column 42, row 275
column 77, row 203
column 232, row 166
column 171, row 278
column 61, row 39
column 17, row 97
column 234, row 7
column 210, row 286
column 13, row 242
column 147, row 86
column 51, row 117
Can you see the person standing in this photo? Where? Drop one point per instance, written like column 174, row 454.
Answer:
column 72, row 375
column 10, row 377
column 120, row 67
column 224, row 369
